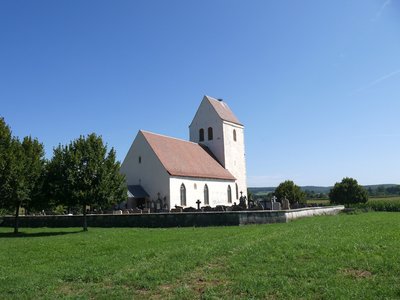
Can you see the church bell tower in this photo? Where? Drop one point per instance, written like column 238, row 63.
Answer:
column 216, row 127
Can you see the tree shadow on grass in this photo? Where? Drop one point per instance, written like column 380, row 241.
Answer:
column 36, row 234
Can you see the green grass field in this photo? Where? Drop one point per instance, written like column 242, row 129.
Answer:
column 327, row 257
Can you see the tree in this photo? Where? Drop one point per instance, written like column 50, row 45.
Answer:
column 21, row 167
column 84, row 174
column 34, row 172
column 290, row 191
column 5, row 157
column 348, row 192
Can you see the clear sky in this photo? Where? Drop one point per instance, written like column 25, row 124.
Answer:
column 316, row 83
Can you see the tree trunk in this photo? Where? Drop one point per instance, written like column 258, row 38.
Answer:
column 84, row 219
column 16, row 219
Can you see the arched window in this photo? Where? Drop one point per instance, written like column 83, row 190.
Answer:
column 210, row 133
column 206, row 201
column 140, row 159
column 234, row 135
column 183, row 195
column 237, row 191
column 229, row 194
column 201, row 134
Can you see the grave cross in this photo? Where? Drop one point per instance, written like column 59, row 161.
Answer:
column 198, row 204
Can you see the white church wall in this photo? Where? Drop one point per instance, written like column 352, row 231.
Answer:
column 217, row 189
column 149, row 172
column 207, row 117
column 235, row 160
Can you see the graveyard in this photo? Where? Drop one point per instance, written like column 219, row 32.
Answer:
column 340, row 256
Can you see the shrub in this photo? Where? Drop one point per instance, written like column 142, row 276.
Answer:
column 348, row 192
column 289, row 191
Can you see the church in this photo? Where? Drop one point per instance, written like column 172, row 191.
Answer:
column 163, row 172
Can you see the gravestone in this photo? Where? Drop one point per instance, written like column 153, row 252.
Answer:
column 236, row 207
column 276, row 206
column 273, row 205
column 285, row 204
column 206, row 208
column 220, row 208
column 189, row 209
column 242, row 201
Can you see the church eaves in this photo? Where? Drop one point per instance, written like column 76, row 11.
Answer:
column 185, row 159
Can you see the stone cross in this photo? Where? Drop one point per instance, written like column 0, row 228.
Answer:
column 198, row 204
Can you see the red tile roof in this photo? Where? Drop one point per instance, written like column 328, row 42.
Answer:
column 223, row 110
column 186, row 159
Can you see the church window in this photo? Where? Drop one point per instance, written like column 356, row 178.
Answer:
column 206, row 198
column 210, row 133
column 234, row 135
column 183, row 195
column 195, row 186
column 201, row 134
column 140, row 159
column 229, row 194
column 237, row 191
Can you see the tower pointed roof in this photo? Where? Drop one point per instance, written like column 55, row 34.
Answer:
column 223, row 110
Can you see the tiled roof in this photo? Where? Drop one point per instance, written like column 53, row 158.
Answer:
column 186, row 159
column 223, row 110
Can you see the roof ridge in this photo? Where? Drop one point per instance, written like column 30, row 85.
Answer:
column 212, row 98
column 223, row 110
column 167, row 136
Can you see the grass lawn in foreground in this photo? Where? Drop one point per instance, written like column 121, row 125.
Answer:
column 330, row 257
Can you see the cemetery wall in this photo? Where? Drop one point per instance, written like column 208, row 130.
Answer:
column 184, row 219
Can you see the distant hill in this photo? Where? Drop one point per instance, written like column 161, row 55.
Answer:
column 316, row 189
column 267, row 190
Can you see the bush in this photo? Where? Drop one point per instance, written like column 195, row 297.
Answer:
column 290, row 191
column 348, row 192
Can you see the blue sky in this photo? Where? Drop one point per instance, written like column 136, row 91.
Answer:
column 316, row 83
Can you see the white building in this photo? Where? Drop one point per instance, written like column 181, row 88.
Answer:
column 164, row 172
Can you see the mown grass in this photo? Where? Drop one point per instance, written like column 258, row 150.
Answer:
column 329, row 257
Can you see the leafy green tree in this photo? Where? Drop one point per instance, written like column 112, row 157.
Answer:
column 290, row 191
column 21, row 168
column 348, row 191
column 83, row 173
column 5, row 156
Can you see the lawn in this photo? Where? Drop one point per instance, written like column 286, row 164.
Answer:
column 329, row 257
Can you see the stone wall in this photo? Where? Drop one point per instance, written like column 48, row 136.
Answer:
column 185, row 219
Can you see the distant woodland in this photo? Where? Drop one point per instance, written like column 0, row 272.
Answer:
column 321, row 192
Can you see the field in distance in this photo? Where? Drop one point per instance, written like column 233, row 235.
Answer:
column 374, row 203
column 331, row 257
